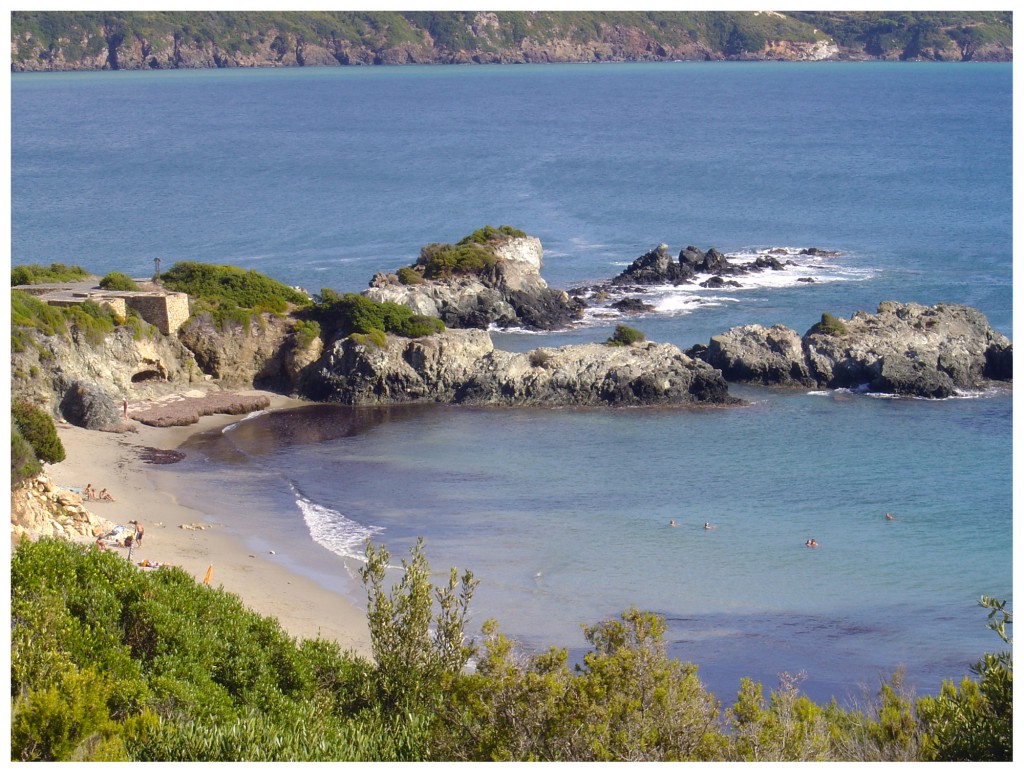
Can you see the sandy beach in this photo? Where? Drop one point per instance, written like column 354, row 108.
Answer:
column 116, row 462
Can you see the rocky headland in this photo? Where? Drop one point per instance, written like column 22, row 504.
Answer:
column 463, row 367
column 493, row 278
column 902, row 349
column 175, row 40
column 503, row 287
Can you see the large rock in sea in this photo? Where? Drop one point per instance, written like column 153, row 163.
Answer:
column 462, row 366
column 903, row 349
column 510, row 293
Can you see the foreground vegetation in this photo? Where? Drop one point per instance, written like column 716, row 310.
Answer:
column 109, row 662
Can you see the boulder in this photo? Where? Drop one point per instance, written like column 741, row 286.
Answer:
column 754, row 354
column 86, row 405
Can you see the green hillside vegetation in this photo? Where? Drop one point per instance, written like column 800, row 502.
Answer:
column 89, row 320
column 34, row 274
column 34, row 440
column 87, row 34
column 110, row 662
column 356, row 314
column 230, row 293
column 472, row 254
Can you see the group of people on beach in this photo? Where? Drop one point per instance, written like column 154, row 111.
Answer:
column 93, row 496
column 123, row 538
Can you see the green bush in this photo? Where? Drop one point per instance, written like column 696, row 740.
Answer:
column 229, row 287
column 409, row 276
column 443, row 260
column 305, row 332
column 33, row 274
column 38, row 429
column 354, row 313
column 24, row 463
column 829, row 325
column 489, row 235
column 625, row 336
column 115, row 280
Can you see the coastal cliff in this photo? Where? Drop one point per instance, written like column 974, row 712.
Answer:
column 182, row 40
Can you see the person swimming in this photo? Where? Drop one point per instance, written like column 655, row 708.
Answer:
column 890, row 517
column 811, row 543
column 672, row 523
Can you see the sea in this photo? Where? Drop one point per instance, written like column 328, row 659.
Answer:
column 321, row 178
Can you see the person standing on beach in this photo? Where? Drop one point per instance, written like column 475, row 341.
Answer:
column 139, row 531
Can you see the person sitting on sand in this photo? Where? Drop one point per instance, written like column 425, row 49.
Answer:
column 90, row 492
column 105, row 496
column 139, row 531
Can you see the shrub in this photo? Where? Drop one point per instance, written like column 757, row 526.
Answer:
column 38, row 429
column 305, row 332
column 33, row 274
column 354, row 313
column 829, row 325
column 409, row 276
column 443, row 260
column 539, row 358
column 489, row 234
column 24, row 463
column 231, row 287
column 115, row 280
column 625, row 336
column 374, row 338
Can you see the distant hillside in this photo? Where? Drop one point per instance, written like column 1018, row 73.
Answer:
column 86, row 40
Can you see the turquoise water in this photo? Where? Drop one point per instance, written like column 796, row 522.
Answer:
column 322, row 178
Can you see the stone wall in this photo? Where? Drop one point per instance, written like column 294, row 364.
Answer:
column 166, row 311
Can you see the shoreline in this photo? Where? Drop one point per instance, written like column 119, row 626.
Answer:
column 304, row 608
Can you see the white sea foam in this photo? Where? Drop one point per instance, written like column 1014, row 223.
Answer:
column 252, row 415
column 333, row 530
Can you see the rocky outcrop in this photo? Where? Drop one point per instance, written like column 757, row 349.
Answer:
column 122, row 364
column 509, row 293
column 462, row 366
column 242, row 355
column 41, row 509
column 87, row 405
column 657, row 267
column 903, row 349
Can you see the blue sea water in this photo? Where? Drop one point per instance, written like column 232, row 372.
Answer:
column 321, row 178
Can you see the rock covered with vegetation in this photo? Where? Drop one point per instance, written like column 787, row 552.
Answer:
column 903, row 349
column 193, row 39
column 462, row 366
column 490, row 277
